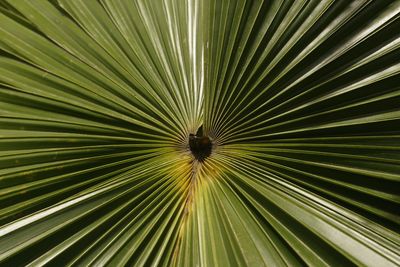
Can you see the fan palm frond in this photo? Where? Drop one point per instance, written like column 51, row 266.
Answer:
column 298, row 103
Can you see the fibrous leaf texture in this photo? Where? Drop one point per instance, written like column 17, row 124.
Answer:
column 298, row 102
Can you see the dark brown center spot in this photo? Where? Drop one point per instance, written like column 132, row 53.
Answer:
column 200, row 145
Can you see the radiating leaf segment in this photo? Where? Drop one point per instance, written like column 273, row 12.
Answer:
column 298, row 162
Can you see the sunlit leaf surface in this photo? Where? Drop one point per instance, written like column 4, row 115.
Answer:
column 301, row 99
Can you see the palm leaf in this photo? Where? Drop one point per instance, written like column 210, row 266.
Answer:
column 301, row 100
